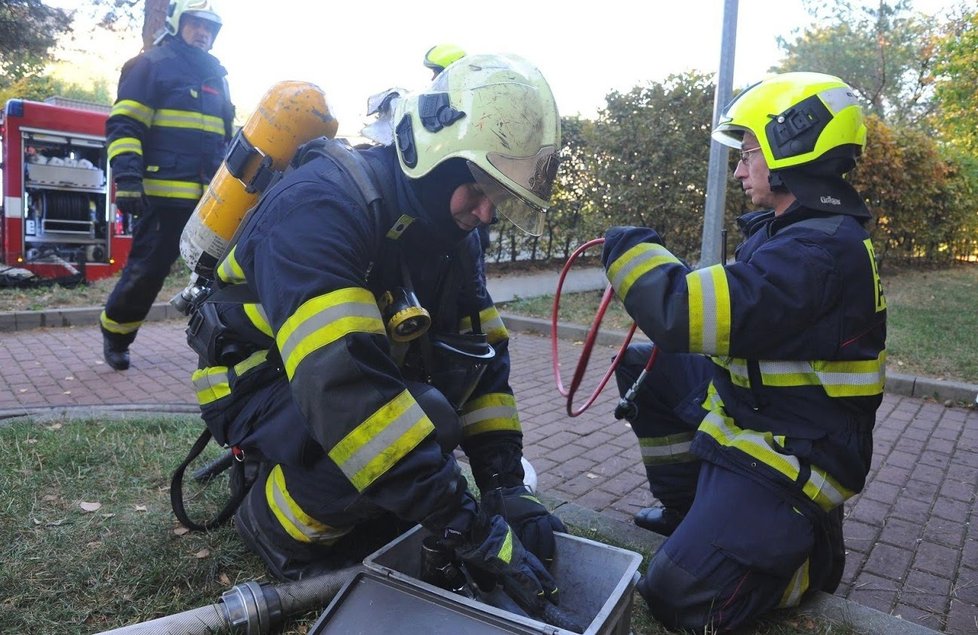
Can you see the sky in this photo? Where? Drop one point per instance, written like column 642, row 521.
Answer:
column 353, row 49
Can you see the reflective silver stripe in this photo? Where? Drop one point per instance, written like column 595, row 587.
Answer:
column 229, row 270
column 709, row 310
column 635, row 263
column 188, row 119
column 125, row 144
column 173, row 189
column 326, row 319
column 293, row 519
column 489, row 413
column 672, row 448
column 492, row 325
column 211, row 384
column 121, row 328
column 797, row 586
column 837, row 378
column 377, row 444
column 134, row 110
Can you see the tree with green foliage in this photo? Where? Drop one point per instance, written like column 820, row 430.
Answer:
column 956, row 68
column 29, row 31
column 883, row 51
column 651, row 151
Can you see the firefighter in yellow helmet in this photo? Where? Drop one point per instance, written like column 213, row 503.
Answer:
column 372, row 349
column 167, row 135
column 755, row 420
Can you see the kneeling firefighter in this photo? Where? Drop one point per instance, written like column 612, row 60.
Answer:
column 366, row 348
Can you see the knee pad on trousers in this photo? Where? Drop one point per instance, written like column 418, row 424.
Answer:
column 675, row 597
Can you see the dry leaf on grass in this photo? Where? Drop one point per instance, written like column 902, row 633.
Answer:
column 90, row 507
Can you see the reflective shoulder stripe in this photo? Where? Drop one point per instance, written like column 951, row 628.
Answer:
column 709, row 310
column 671, row 448
column 635, row 263
column 211, row 384
column 490, row 413
column 326, row 319
column 123, row 145
column 492, row 325
column 386, row 437
column 293, row 519
column 173, row 189
column 134, row 110
column 189, row 119
column 122, row 328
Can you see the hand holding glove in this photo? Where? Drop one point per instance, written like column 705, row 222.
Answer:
column 129, row 196
column 494, row 549
column 533, row 524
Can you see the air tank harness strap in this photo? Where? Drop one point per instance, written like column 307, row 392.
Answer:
column 233, row 460
column 240, row 155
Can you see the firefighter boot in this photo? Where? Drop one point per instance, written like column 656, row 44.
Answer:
column 116, row 354
column 661, row 520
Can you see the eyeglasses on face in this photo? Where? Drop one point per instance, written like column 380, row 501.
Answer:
column 745, row 154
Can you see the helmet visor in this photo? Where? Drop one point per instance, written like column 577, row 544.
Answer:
column 534, row 174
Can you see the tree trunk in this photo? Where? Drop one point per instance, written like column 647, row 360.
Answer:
column 154, row 19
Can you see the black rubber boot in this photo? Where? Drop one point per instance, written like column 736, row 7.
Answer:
column 661, row 520
column 116, row 355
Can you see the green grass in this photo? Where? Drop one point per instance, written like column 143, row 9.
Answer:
column 69, row 567
column 932, row 328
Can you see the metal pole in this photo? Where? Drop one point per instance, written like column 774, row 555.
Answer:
column 716, row 177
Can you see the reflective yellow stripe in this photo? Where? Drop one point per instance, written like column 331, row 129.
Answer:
column 859, row 378
column 506, row 551
column 229, row 270
column 377, row 444
column 492, row 325
column 635, row 263
column 134, row 110
column 211, row 384
column 173, row 189
column 293, row 519
column 709, row 310
column 256, row 315
column 250, row 363
column 325, row 319
column 121, row 328
column 490, row 413
column 188, row 119
column 797, row 586
column 672, row 448
column 765, row 448
column 125, row 144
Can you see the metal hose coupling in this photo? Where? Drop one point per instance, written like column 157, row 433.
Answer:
column 252, row 608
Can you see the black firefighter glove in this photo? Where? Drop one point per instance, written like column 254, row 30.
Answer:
column 491, row 548
column 531, row 521
column 129, row 196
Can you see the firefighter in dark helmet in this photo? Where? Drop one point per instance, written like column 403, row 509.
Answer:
column 374, row 350
column 167, row 135
column 755, row 420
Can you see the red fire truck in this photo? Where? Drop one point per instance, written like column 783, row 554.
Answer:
column 59, row 221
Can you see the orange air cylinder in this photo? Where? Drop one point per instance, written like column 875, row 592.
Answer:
column 290, row 114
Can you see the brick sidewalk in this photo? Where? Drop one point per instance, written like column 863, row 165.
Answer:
column 913, row 548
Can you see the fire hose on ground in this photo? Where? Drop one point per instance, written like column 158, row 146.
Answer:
column 249, row 607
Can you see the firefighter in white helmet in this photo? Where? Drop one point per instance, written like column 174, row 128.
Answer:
column 373, row 350
column 755, row 420
column 167, row 135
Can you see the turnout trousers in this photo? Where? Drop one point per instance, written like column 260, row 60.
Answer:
column 743, row 548
column 155, row 247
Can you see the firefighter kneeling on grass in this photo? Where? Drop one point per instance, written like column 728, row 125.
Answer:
column 755, row 421
column 373, row 350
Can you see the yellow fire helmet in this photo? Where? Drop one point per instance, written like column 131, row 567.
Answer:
column 796, row 117
column 440, row 56
column 203, row 9
column 498, row 113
